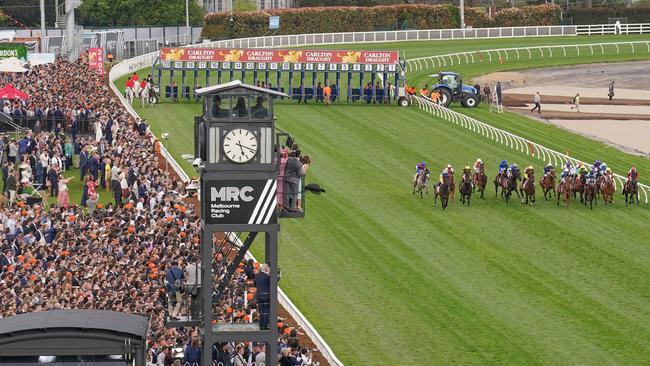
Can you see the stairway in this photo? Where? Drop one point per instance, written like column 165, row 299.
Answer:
column 62, row 21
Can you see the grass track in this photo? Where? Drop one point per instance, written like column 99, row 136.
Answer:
column 388, row 280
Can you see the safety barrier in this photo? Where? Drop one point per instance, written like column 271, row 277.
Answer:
column 601, row 29
column 511, row 140
column 471, row 57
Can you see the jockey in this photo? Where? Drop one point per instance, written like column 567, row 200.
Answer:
column 443, row 175
column 548, row 168
column 583, row 170
column 477, row 166
column 420, row 168
column 514, row 169
column 597, row 165
column 565, row 173
column 632, row 174
column 449, row 169
column 527, row 171
column 593, row 173
column 570, row 168
column 503, row 167
column 603, row 169
column 135, row 76
column 129, row 84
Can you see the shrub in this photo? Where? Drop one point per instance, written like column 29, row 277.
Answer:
column 601, row 15
column 364, row 19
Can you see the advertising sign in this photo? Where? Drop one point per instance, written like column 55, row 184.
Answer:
column 290, row 56
column 96, row 60
column 240, row 201
column 274, row 22
column 17, row 50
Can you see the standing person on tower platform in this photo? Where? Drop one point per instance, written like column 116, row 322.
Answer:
column 263, row 294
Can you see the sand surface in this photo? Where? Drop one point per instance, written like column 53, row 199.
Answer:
column 631, row 135
column 632, row 89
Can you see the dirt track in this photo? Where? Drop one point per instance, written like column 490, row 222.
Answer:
column 622, row 122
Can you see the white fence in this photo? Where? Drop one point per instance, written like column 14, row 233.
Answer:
column 589, row 30
column 470, row 57
column 511, row 140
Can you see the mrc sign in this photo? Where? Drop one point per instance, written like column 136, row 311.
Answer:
column 252, row 202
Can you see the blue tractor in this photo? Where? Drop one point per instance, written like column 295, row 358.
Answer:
column 451, row 89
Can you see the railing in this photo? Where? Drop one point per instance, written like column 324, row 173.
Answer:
column 589, row 30
column 471, row 57
column 511, row 140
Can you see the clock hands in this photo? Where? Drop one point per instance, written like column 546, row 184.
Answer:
column 246, row 147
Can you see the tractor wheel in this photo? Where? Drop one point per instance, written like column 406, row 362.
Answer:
column 445, row 97
column 403, row 102
column 469, row 101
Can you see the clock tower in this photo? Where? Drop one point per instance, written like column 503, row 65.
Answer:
column 237, row 154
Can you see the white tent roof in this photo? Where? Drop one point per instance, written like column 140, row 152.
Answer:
column 12, row 64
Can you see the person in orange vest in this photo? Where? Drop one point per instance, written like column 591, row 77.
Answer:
column 425, row 91
column 327, row 92
column 109, row 57
column 410, row 90
column 435, row 96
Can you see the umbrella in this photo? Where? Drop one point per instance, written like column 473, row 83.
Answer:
column 12, row 64
column 10, row 92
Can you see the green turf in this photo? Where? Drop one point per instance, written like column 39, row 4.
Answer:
column 389, row 280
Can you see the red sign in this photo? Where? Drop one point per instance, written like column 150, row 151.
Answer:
column 295, row 56
column 96, row 60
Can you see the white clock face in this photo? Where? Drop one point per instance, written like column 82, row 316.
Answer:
column 240, row 145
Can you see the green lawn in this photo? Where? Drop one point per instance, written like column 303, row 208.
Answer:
column 389, row 280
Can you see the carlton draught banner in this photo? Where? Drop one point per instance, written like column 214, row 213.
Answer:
column 294, row 56
column 239, row 201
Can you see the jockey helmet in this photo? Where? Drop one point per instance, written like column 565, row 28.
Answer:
column 449, row 166
column 566, row 170
column 466, row 167
column 503, row 162
column 479, row 160
column 514, row 165
column 597, row 162
column 549, row 165
column 530, row 167
column 609, row 170
column 423, row 162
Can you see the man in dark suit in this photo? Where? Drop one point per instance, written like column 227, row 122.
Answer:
column 263, row 294
column 83, row 162
column 292, row 173
column 93, row 165
column 53, row 177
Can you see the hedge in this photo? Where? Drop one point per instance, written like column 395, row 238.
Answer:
column 364, row 19
column 601, row 15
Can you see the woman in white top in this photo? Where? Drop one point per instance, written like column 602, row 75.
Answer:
column 124, row 185
column 98, row 130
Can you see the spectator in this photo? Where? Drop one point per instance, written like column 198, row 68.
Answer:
column 173, row 288
column 292, row 174
column 11, row 186
column 53, row 179
column 306, row 162
column 537, row 101
column 192, row 354
column 262, row 295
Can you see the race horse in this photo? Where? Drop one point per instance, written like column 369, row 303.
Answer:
column 631, row 190
column 591, row 191
column 508, row 184
column 452, row 187
column 564, row 190
column 442, row 190
column 466, row 187
column 480, row 180
column 421, row 182
column 579, row 186
column 144, row 95
column 136, row 89
column 607, row 188
column 528, row 189
column 547, row 182
column 129, row 94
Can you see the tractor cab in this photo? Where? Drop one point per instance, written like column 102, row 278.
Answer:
column 450, row 88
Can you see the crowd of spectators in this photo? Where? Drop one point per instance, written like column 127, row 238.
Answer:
column 116, row 256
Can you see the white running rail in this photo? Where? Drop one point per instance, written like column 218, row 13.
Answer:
column 518, row 53
column 511, row 140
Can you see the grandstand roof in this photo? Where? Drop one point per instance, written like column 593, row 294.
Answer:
column 237, row 84
column 83, row 319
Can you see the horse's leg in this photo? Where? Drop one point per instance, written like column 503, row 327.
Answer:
column 435, row 198
column 414, row 185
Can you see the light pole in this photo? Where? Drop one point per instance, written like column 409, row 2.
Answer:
column 165, row 136
column 42, row 5
column 462, row 14
column 187, row 20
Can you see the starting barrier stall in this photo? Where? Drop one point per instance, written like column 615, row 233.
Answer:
column 301, row 74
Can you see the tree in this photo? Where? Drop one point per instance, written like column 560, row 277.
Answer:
column 27, row 12
column 119, row 13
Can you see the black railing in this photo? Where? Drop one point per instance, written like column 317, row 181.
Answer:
column 85, row 125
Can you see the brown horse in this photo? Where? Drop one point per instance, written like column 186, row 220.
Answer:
column 452, row 186
column 442, row 190
column 590, row 192
column 422, row 183
column 547, row 182
column 466, row 187
column 607, row 188
column 508, row 183
column 579, row 186
column 528, row 188
column 564, row 190
column 631, row 190
column 480, row 180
